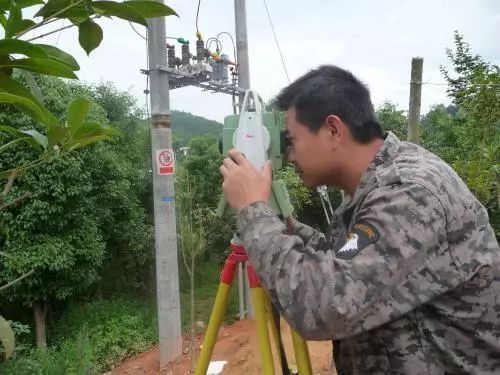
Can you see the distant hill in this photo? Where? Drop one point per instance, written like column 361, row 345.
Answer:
column 186, row 126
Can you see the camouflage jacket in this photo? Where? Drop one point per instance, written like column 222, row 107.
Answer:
column 405, row 281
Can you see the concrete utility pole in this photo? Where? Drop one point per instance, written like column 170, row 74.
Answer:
column 240, row 18
column 167, row 273
column 415, row 99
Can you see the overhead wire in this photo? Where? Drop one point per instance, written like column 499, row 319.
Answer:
column 232, row 41
column 322, row 190
column 138, row 33
column 197, row 14
column 468, row 85
column 60, row 30
column 276, row 40
column 209, row 42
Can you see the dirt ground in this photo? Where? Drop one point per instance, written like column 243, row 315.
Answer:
column 236, row 344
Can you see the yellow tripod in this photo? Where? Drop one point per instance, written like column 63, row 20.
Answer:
column 262, row 310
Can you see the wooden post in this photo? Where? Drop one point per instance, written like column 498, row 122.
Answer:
column 415, row 99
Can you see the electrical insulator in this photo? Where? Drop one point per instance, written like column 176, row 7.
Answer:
column 186, row 55
column 171, row 55
column 200, row 50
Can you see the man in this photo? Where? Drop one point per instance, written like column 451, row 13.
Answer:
column 407, row 278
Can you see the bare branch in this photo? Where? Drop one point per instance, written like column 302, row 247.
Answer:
column 50, row 18
column 16, row 280
column 56, row 30
column 8, row 185
column 16, row 201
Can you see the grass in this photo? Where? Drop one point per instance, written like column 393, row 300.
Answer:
column 205, row 291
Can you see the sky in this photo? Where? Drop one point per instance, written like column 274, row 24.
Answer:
column 375, row 40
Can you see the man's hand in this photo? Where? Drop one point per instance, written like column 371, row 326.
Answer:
column 243, row 184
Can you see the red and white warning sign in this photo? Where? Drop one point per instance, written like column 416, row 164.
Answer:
column 165, row 161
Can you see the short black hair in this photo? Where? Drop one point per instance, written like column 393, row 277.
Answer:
column 330, row 90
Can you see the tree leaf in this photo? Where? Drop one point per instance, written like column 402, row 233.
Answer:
column 25, row 105
column 5, row 4
column 151, row 8
column 120, row 10
column 14, row 21
column 33, row 86
column 89, row 35
column 12, row 86
column 32, row 137
column 25, row 24
column 70, row 146
column 3, row 20
column 90, row 132
column 7, row 337
column 38, row 137
column 42, row 65
column 28, row 3
column 56, row 134
column 77, row 112
column 77, row 20
column 16, row 46
column 92, row 129
column 54, row 6
column 60, row 56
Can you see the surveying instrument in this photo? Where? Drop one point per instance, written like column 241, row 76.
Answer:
column 258, row 135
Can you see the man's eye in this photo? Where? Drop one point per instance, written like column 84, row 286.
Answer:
column 288, row 141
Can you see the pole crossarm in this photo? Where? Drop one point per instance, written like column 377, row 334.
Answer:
column 178, row 79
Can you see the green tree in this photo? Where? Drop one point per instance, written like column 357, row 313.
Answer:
column 438, row 133
column 193, row 242
column 27, row 57
column 202, row 163
column 473, row 85
column 85, row 212
column 392, row 119
column 15, row 53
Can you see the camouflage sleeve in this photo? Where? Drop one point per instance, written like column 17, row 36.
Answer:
column 328, row 295
column 308, row 235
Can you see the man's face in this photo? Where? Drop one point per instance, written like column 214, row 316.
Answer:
column 309, row 151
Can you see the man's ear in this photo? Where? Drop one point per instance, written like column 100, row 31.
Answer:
column 334, row 127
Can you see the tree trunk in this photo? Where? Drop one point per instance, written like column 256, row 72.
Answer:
column 191, row 349
column 40, row 313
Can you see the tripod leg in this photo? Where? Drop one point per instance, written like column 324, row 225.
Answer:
column 274, row 321
column 258, row 301
column 301, row 354
column 220, row 306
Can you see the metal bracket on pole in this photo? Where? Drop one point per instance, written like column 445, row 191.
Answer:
column 178, row 79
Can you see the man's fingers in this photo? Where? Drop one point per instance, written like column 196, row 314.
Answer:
column 223, row 170
column 229, row 163
column 267, row 170
column 237, row 156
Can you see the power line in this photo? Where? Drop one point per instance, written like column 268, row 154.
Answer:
column 138, row 33
column 276, row 40
column 209, row 42
column 232, row 41
column 54, row 31
column 467, row 85
column 49, row 33
column 197, row 13
column 59, row 35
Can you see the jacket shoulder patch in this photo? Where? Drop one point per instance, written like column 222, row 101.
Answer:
column 361, row 235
